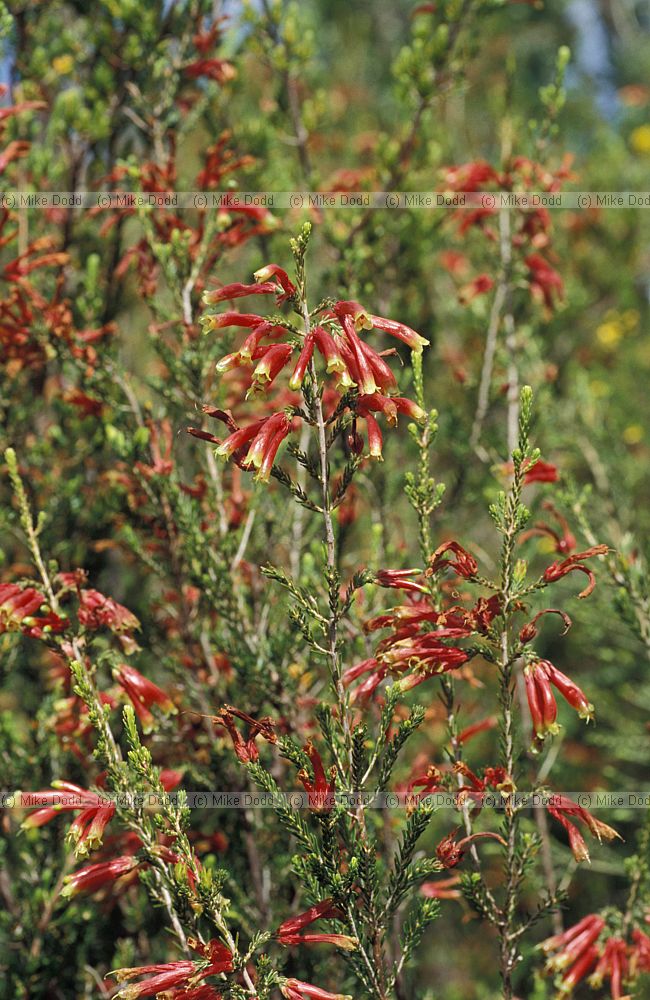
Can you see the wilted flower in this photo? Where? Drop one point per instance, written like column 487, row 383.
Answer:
column 245, row 748
column 462, row 562
column 575, row 562
column 450, row 852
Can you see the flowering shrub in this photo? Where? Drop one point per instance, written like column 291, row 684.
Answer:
column 283, row 716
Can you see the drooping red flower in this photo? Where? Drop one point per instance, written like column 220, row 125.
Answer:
column 17, row 612
column 529, row 631
column 98, row 611
column 94, row 877
column 143, row 694
column 539, row 676
column 87, row 829
column 186, row 973
column 320, row 790
column 546, row 285
column 612, row 964
column 292, row 931
column 295, row 989
column 560, row 808
column 400, row 579
column 541, row 472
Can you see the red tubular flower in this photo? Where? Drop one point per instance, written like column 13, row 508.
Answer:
column 539, row 677
column 558, row 942
column 478, row 727
column 375, row 439
column 270, row 365
column 399, row 579
column 245, row 748
column 282, row 278
column 289, row 932
column 480, row 285
column 401, row 332
column 612, row 963
column 451, row 852
column 464, row 564
column 237, row 290
column 545, row 283
column 541, row 472
column 17, row 607
column 331, row 352
column 639, row 953
column 221, row 321
column 559, row 569
column 143, row 694
column 302, row 364
column 390, row 406
column 265, row 445
column 358, row 364
column 88, row 828
column 561, row 807
column 320, row 790
column 239, row 438
column 176, row 974
column 295, row 989
column 94, row 877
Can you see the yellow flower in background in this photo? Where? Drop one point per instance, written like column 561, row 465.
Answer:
column 609, row 333
column 630, row 319
column 640, row 139
column 633, row 434
column 63, row 64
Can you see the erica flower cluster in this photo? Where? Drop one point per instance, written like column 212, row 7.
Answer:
column 336, row 337
column 590, row 951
